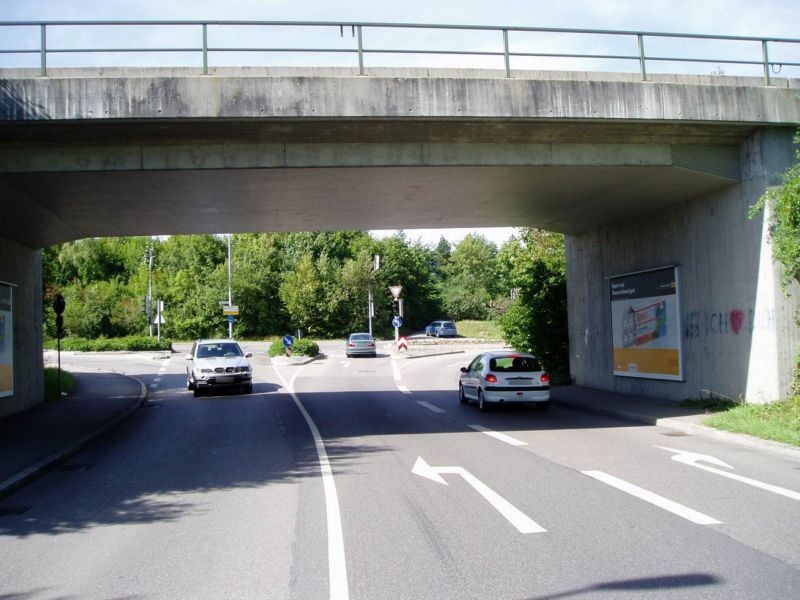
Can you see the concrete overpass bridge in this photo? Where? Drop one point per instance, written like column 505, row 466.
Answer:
column 640, row 175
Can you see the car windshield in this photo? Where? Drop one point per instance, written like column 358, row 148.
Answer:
column 360, row 337
column 218, row 350
column 514, row 364
column 449, row 325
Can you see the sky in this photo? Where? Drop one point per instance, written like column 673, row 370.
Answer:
column 761, row 18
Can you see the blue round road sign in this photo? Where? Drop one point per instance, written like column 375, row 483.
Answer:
column 288, row 341
column 397, row 322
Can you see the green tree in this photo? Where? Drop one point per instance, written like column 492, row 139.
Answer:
column 471, row 279
column 537, row 320
column 302, row 293
column 409, row 265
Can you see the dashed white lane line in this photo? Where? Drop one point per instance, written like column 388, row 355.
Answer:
column 337, row 567
column 498, row 436
column 396, row 370
column 403, row 389
column 430, row 407
column 648, row 496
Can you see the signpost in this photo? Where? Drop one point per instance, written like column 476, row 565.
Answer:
column 288, row 342
column 397, row 305
column 59, row 304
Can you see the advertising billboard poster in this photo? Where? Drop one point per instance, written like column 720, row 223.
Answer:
column 6, row 342
column 645, row 313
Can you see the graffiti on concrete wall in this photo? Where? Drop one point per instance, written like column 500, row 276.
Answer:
column 732, row 322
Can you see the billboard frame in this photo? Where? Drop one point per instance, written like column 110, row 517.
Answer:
column 646, row 337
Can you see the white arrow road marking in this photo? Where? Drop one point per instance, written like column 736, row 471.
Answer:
column 430, row 406
column 516, row 517
column 648, row 496
column 693, row 458
column 498, row 436
column 337, row 568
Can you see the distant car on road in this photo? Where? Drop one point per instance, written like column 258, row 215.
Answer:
column 441, row 329
column 360, row 344
column 504, row 376
column 218, row 364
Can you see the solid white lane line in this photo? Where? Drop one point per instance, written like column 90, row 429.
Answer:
column 396, row 369
column 429, row 406
column 643, row 494
column 403, row 389
column 337, row 567
column 498, row 436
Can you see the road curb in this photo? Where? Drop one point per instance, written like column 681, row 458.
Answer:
column 426, row 355
column 741, row 439
column 293, row 361
column 23, row 478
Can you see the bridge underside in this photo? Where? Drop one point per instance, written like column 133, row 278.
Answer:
column 75, row 180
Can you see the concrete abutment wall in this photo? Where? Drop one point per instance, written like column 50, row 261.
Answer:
column 738, row 327
column 22, row 267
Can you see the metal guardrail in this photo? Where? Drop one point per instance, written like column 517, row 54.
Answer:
column 357, row 30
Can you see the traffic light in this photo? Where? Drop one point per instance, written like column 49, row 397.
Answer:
column 396, row 308
column 144, row 304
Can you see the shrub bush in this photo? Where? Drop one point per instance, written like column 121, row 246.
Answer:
column 301, row 347
column 131, row 343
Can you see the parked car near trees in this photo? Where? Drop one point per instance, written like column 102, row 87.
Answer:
column 441, row 329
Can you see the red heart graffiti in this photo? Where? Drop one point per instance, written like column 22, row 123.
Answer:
column 737, row 320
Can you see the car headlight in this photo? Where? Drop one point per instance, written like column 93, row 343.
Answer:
column 243, row 369
column 205, row 370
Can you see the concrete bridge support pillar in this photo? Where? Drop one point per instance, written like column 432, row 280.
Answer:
column 737, row 326
column 22, row 268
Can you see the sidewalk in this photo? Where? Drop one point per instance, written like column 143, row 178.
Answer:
column 35, row 440
column 657, row 411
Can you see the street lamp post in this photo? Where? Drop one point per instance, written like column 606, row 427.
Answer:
column 230, row 291
column 370, row 301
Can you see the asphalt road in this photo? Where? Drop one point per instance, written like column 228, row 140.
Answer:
column 366, row 479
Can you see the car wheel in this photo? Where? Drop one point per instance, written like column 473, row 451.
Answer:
column 189, row 384
column 197, row 392
column 542, row 406
column 247, row 389
column 347, row 354
column 483, row 405
column 461, row 397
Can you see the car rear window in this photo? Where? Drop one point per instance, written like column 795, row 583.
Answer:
column 360, row 337
column 514, row 364
column 218, row 350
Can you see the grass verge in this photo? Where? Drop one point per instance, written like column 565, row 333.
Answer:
column 778, row 421
column 51, row 383
column 487, row 330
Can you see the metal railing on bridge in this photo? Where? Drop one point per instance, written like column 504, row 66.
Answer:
column 35, row 38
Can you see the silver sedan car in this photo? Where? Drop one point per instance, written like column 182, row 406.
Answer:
column 504, row 376
column 360, row 344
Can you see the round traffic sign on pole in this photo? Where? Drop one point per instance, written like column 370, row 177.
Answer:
column 397, row 322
